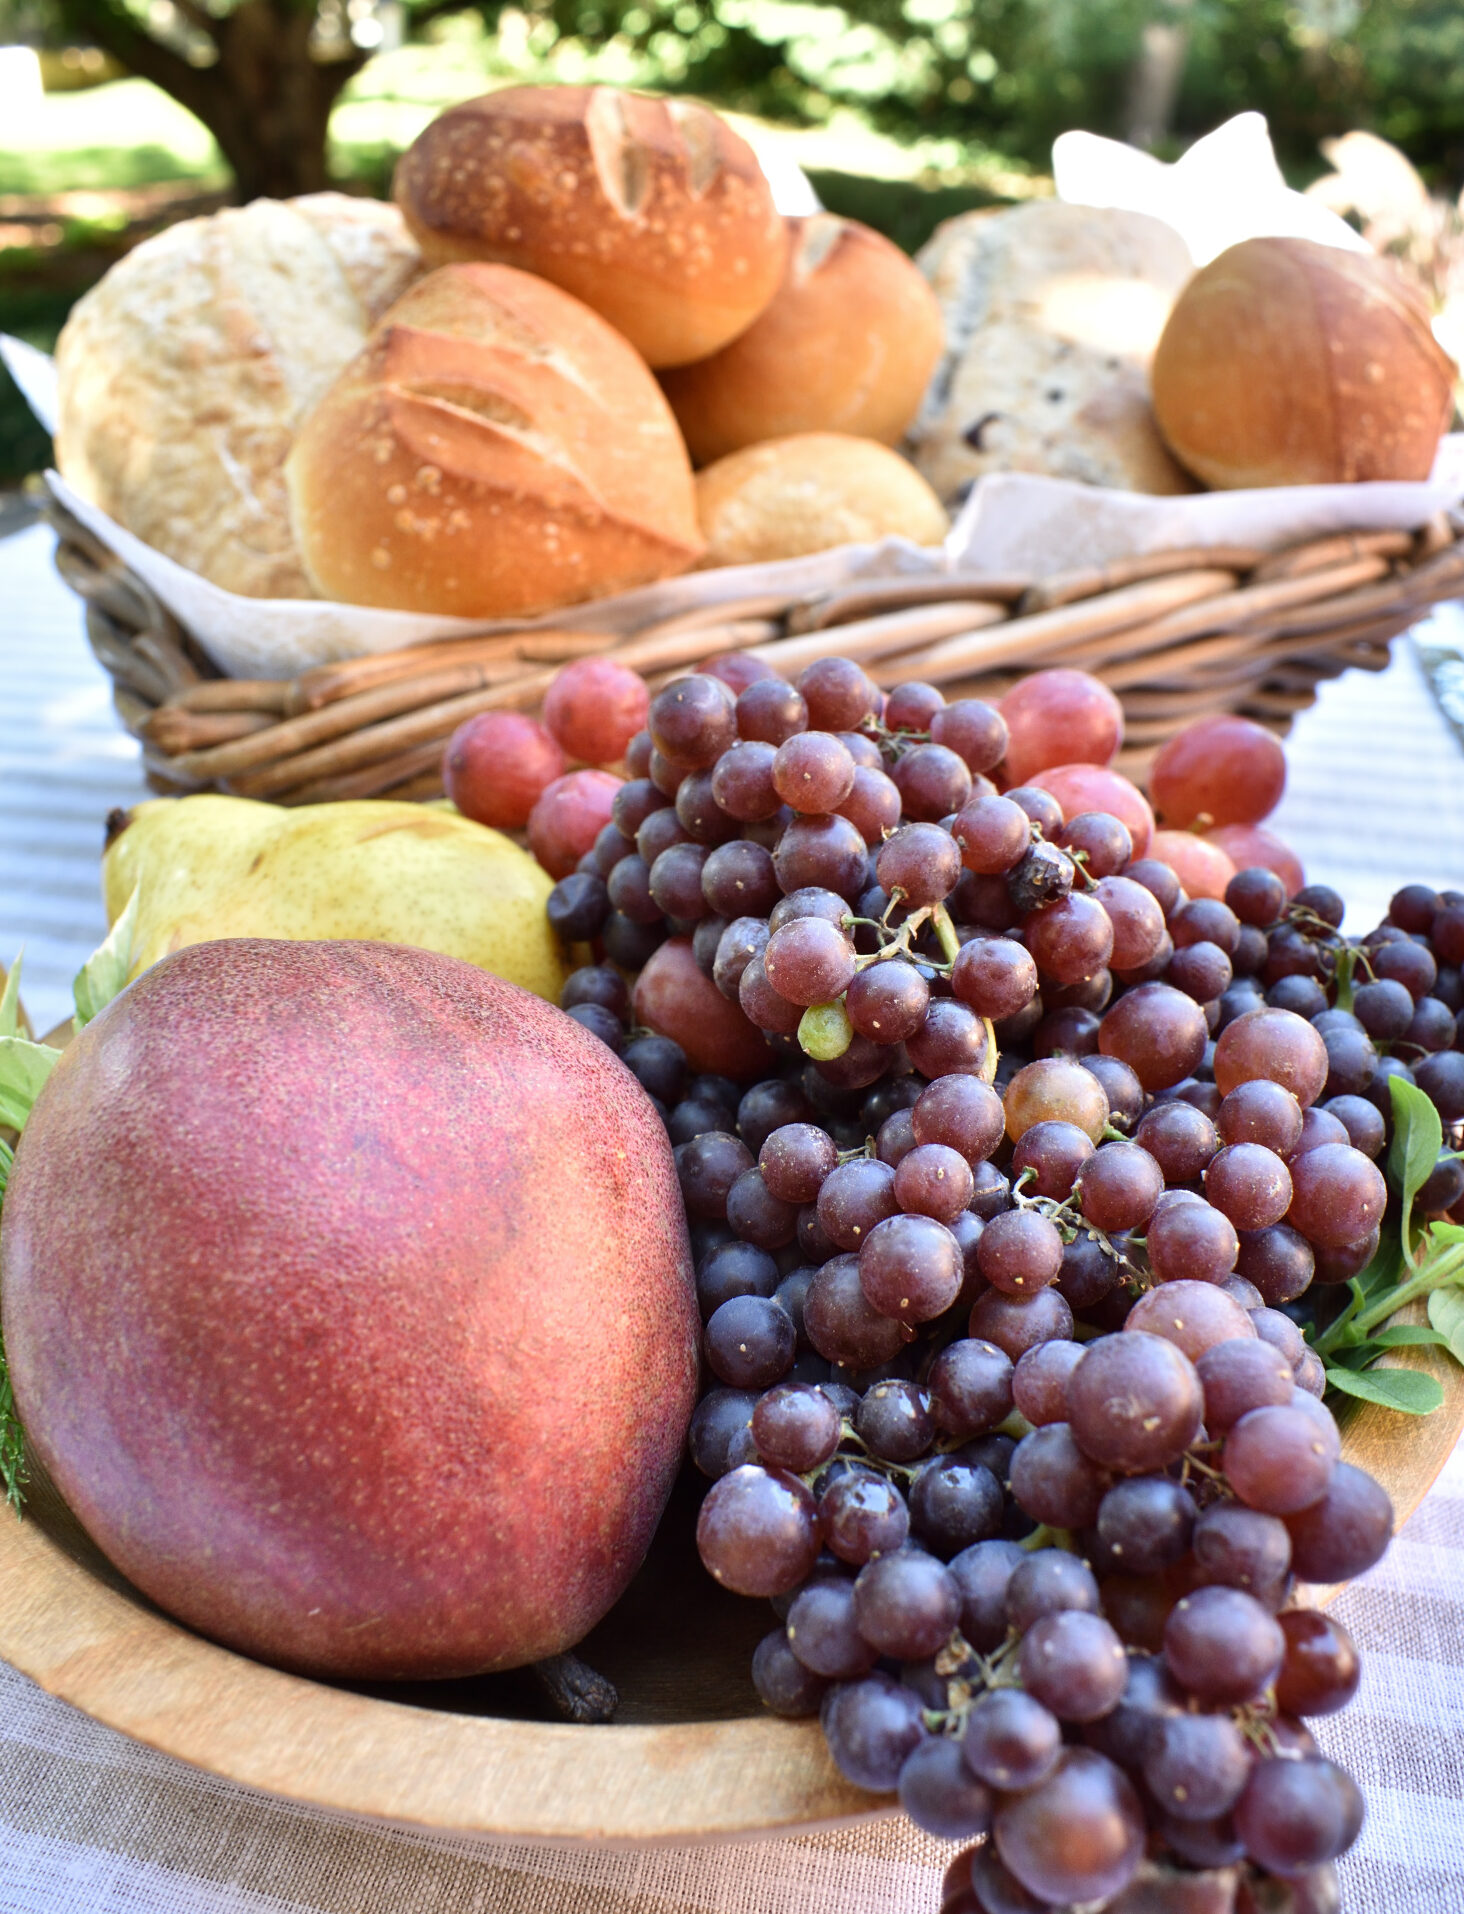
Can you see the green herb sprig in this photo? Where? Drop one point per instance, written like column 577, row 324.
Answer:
column 1412, row 1264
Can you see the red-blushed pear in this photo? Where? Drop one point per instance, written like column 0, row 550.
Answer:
column 348, row 1301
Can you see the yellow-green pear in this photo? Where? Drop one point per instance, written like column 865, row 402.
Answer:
column 209, row 867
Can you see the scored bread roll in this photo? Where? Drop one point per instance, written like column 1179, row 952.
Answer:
column 847, row 345
column 1289, row 363
column 654, row 212
column 495, row 450
column 182, row 375
column 788, row 497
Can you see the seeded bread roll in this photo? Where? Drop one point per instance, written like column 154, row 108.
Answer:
column 181, row 377
column 788, row 497
column 495, row 450
column 653, row 212
column 847, row 345
column 1052, row 313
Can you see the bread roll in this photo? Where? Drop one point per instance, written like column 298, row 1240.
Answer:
column 788, row 497
column 654, row 212
column 1289, row 363
column 847, row 345
column 182, row 375
column 1051, row 314
column 495, row 450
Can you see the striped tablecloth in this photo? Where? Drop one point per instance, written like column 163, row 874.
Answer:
column 93, row 1824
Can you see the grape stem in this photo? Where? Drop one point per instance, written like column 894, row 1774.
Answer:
column 987, row 1072
column 1071, row 1223
column 1307, row 921
column 901, row 941
column 945, row 931
column 1044, row 1537
column 1255, row 1721
column 1193, row 1462
column 1346, row 970
column 956, row 1665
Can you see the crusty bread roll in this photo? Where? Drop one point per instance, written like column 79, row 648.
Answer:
column 654, row 212
column 1051, row 315
column 182, row 375
column 847, row 345
column 1289, row 363
column 787, row 497
column 495, row 450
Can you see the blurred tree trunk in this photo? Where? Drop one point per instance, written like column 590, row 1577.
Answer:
column 255, row 76
column 1155, row 80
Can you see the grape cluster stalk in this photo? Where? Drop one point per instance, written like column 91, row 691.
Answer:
column 1011, row 1271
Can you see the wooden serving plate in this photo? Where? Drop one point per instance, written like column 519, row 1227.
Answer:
column 692, row 1756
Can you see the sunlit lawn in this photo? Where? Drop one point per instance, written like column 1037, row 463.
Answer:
column 126, row 133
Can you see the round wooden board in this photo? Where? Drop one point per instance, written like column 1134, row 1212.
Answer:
column 692, row 1760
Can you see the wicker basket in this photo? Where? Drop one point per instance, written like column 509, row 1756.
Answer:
column 1175, row 634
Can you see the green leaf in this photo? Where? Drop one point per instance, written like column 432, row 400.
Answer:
column 13, row 1472
column 1418, row 1137
column 1446, row 1313
column 1446, row 1233
column 1401, row 1389
column 104, row 974
column 1410, row 1336
column 7, row 1163
column 1354, row 1355
column 24, row 1067
column 10, row 1000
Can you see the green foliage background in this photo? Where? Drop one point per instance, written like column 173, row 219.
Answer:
column 1009, row 75
column 1001, row 75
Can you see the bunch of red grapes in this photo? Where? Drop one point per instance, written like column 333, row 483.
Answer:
column 1005, row 1263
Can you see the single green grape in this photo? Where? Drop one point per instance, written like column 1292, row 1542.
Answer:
column 824, row 1031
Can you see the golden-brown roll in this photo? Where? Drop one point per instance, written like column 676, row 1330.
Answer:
column 788, row 497
column 654, row 212
column 495, row 450
column 847, row 345
column 1289, row 363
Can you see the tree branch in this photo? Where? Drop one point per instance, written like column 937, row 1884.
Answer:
column 116, row 33
column 197, row 16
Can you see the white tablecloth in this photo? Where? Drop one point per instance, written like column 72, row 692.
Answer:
column 92, row 1824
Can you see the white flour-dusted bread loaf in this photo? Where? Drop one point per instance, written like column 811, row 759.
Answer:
column 184, row 374
column 1052, row 313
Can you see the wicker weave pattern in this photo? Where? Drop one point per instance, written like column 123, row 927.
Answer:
column 1175, row 634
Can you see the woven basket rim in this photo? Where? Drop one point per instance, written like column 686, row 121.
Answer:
column 1175, row 634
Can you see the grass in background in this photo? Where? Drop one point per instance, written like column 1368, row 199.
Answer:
column 126, row 133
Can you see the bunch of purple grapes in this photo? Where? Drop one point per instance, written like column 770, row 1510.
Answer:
column 1004, row 1269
